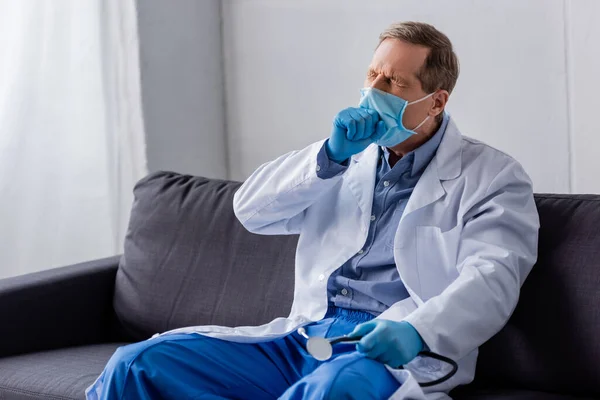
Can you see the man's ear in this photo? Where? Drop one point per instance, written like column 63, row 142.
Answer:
column 440, row 98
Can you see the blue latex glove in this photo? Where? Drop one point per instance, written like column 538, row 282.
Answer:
column 354, row 129
column 389, row 342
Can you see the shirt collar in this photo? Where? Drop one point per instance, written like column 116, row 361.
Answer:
column 422, row 155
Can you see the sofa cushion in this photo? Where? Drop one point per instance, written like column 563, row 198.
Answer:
column 188, row 260
column 551, row 342
column 53, row 375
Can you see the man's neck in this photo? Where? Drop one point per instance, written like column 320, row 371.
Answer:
column 393, row 158
column 411, row 144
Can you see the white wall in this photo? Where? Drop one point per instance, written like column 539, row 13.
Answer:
column 182, row 86
column 583, row 36
column 529, row 73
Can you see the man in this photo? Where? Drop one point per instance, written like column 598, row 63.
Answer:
column 412, row 238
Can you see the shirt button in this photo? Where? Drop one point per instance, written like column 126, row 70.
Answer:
column 318, row 168
column 386, row 183
column 361, row 251
column 321, row 277
column 344, row 291
column 372, row 217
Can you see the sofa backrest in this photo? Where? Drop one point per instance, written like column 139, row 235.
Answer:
column 188, row 261
column 552, row 341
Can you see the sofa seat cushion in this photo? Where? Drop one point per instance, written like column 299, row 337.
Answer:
column 53, row 375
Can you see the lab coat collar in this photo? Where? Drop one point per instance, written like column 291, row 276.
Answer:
column 445, row 165
column 448, row 157
column 449, row 154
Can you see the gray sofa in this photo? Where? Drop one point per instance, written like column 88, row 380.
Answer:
column 188, row 261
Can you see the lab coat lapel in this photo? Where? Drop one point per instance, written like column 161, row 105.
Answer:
column 428, row 190
column 445, row 165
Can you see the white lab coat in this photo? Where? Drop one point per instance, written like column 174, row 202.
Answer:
column 464, row 245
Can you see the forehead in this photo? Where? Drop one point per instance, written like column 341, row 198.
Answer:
column 399, row 58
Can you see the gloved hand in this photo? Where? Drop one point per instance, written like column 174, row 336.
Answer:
column 354, row 129
column 389, row 342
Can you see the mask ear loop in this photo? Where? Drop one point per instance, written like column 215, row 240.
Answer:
column 421, row 99
column 421, row 124
column 415, row 102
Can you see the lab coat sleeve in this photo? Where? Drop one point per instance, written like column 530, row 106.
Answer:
column 327, row 167
column 273, row 200
column 498, row 248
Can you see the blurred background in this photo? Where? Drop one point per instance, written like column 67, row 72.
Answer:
column 96, row 93
column 528, row 85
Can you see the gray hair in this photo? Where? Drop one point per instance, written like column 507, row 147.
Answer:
column 441, row 68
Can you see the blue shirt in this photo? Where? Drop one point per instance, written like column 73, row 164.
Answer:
column 369, row 281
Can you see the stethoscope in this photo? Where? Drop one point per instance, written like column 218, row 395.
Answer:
column 322, row 349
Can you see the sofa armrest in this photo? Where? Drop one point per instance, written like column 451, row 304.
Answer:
column 57, row 308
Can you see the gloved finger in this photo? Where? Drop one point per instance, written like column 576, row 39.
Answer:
column 365, row 119
column 338, row 123
column 380, row 130
column 360, row 124
column 377, row 352
column 360, row 347
column 385, row 358
column 374, row 352
column 350, row 126
column 374, row 114
column 370, row 340
column 368, row 119
column 372, row 121
column 362, row 329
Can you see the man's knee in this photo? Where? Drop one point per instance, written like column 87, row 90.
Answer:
column 122, row 357
column 363, row 378
column 133, row 355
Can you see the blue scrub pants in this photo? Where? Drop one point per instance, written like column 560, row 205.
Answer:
column 191, row 366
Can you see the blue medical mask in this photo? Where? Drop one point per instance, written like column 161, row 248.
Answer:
column 391, row 110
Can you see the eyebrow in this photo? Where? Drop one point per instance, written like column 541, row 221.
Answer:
column 400, row 79
column 395, row 76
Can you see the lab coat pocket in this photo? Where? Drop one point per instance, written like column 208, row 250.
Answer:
column 436, row 258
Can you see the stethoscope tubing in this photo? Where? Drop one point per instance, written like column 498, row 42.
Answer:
column 428, row 354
